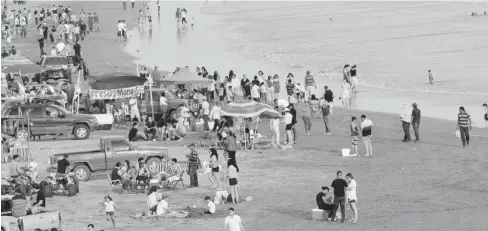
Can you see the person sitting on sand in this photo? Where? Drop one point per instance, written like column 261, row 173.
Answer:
column 134, row 134
column 153, row 196
column 211, row 206
column 150, row 128
column 175, row 171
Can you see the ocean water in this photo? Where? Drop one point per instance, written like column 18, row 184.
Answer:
column 393, row 44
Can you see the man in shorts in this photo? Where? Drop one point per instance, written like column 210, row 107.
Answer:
column 310, row 86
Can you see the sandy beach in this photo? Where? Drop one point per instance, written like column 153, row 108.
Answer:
column 434, row 184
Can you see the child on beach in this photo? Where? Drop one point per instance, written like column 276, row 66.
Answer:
column 211, row 206
column 109, row 209
column 354, row 136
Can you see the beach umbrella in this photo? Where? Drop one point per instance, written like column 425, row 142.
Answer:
column 23, row 68
column 184, row 76
column 117, row 82
column 249, row 109
column 15, row 59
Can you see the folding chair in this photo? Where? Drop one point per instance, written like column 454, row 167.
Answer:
column 114, row 184
column 180, row 180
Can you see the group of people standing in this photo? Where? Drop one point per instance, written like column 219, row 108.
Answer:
column 344, row 190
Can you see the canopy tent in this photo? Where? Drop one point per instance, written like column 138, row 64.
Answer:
column 249, row 109
column 117, row 82
column 15, row 59
column 23, row 68
column 184, row 76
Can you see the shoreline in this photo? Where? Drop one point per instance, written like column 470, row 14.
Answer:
column 188, row 44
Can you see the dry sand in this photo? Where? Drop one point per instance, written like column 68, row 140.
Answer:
column 431, row 185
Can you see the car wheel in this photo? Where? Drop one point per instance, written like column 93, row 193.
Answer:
column 153, row 165
column 82, row 173
column 81, row 132
column 22, row 133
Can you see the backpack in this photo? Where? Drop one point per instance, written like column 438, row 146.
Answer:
column 326, row 110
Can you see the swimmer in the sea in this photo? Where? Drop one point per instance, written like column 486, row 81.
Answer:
column 431, row 77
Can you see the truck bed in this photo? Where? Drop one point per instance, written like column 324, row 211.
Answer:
column 77, row 153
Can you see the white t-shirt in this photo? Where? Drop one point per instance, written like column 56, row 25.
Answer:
column 236, row 83
column 351, row 190
column 283, row 103
column 109, row 206
column 120, row 26
column 215, row 113
column 163, row 101
column 133, row 104
column 263, row 88
column 211, row 207
column 183, row 14
column 234, row 222
column 60, row 46
column 232, row 172
column 211, row 85
column 255, row 91
column 54, row 52
column 205, row 108
column 288, row 118
column 152, row 199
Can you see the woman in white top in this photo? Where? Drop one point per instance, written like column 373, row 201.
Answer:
column 346, row 94
column 274, row 124
column 232, row 175
column 352, row 196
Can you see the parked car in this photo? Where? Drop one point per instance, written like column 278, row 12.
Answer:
column 45, row 220
column 55, row 68
column 46, row 119
column 112, row 149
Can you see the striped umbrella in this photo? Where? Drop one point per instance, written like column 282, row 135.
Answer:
column 249, row 109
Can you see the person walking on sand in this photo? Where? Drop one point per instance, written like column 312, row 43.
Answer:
column 193, row 165
column 351, row 196
column 464, row 125
column 416, row 121
column 325, row 115
column 132, row 2
column 354, row 135
column 288, row 119
column 233, row 183
column 346, row 94
column 431, row 77
column 294, row 121
column 233, row 222
column 290, row 91
column 406, row 117
column 329, row 97
column 366, row 130
column 109, row 209
column 486, row 114
column 310, row 86
column 306, row 118
column 339, row 185
column 124, row 4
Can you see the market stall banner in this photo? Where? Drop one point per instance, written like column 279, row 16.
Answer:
column 117, row 93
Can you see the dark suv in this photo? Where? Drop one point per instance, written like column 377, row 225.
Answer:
column 46, row 119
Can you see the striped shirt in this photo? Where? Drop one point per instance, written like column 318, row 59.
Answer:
column 193, row 159
column 290, row 88
column 309, row 81
column 463, row 119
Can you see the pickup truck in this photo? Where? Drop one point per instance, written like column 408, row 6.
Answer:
column 174, row 104
column 112, row 149
column 56, row 68
column 47, row 119
column 45, row 220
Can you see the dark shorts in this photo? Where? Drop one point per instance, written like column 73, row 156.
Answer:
column 288, row 127
column 207, row 212
column 109, row 213
column 119, row 33
column 232, row 181
column 215, row 169
column 352, row 201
